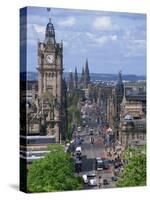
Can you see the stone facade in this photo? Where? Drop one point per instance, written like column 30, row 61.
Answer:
column 132, row 125
column 50, row 70
column 132, row 130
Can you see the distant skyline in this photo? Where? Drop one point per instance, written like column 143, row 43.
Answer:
column 111, row 41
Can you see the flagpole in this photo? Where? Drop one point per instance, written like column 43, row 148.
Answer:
column 48, row 11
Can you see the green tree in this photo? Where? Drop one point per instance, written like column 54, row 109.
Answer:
column 55, row 172
column 135, row 171
column 73, row 112
column 69, row 134
column 73, row 98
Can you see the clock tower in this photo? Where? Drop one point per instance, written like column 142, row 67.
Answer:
column 50, row 70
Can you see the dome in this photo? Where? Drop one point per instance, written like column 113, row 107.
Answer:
column 50, row 27
column 128, row 117
column 50, row 33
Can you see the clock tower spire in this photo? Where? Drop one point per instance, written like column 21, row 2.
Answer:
column 50, row 70
column 50, row 33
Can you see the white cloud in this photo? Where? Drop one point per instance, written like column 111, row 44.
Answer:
column 67, row 22
column 65, row 43
column 35, row 33
column 105, row 39
column 90, row 35
column 139, row 43
column 113, row 37
column 39, row 28
column 135, row 48
column 102, row 39
column 102, row 23
column 37, row 19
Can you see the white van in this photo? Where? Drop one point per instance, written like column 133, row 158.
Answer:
column 79, row 128
column 78, row 151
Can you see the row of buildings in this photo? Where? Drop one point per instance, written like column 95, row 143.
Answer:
column 124, row 108
column 44, row 102
column 122, row 105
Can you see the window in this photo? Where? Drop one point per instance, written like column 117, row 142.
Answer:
column 140, row 126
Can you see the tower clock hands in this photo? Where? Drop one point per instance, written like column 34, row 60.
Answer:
column 49, row 59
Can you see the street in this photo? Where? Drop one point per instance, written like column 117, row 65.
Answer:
column 91, row 151
column 89, row 154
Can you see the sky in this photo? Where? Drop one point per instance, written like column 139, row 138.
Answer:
column 111, row 41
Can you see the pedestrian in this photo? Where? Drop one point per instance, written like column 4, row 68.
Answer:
column 100, row 181
column 110, row 155
column 92, row 140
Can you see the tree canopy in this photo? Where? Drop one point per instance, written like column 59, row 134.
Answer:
column 55, row 172
column 73, row 112
column 135, row 171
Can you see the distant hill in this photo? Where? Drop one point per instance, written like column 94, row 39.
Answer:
column 94, row 76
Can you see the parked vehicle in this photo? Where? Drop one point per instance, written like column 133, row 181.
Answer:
column 114, row 178
column 85, row 178
column 106, row 164
column 92, row 182
column 98, row 164
column 78, row 165
column 78, row 151
column 91, row 131
column 79, row 128
column 91, row 174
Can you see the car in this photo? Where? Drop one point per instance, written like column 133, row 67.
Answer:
column 106, row 164
column 78, row 165
column 91, row 131
column 85, row 178
column 114, row 178
column 92, row 182
column 78, row 151
column 82, row 140
column 91, row 174
column 79, row 129
column 98, row 164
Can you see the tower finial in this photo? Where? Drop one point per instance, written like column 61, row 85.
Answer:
column 48, row 11
column 124, row 95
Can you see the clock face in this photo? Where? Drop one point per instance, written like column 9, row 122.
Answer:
column 49, row 59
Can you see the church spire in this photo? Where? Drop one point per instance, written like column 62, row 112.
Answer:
column 124, row 95
column 119, row 85
column 119, row 78
column 76, row 78
column 86, row 74
column 82, row 75
column 71, row 81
